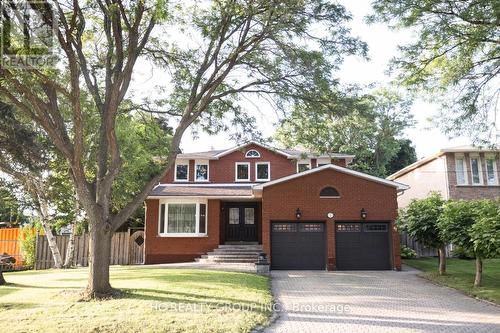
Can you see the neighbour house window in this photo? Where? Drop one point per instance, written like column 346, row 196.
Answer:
column 476, row 170
column 242, row 170
column 180, row 218
column 461, row 170
column 182, row 171
column 491, row 170
column 252, row 153
column 201, row 171
column 262, row 171
column 303, row 165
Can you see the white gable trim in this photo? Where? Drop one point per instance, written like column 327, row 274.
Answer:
column 229, row 151
column 399, row 186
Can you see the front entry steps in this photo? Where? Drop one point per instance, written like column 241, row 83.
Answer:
column 232, row 253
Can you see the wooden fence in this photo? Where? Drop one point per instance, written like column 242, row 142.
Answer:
column 122, row 248
column 422, row 251
column 9, row 244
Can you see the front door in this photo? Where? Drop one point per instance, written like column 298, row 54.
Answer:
column 241, row 222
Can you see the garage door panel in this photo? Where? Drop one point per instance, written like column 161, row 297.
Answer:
column 362, row 246
column 298, row 245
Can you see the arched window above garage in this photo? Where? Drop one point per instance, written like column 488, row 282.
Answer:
column 329, row 192
column 252, row 153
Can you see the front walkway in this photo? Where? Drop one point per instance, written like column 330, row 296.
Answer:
column 366, row 302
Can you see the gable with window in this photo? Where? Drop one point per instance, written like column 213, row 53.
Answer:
column 252, row 153
column 476, row 169
column 187, row 218
column 461, row 169
column 182, row 171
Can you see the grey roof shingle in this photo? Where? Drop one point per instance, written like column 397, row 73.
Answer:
column 202, row 191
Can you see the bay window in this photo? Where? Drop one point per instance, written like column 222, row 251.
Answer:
column 323, row 161
column 183, row 218
column 491, row 170
column 182, row 171
column 476, row 170
column 262, row 171
column 460, row 169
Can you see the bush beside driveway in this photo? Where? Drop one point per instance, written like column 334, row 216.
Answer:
column 153, row 300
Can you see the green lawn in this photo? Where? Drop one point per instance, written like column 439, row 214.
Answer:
column 153, row 300
column 460, row 275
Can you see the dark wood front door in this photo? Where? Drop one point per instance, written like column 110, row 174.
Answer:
column 241, row 222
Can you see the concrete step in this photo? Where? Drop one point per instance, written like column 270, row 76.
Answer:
column 234, row 252
column 213, row 260
column 242, row 246
column 222, row 256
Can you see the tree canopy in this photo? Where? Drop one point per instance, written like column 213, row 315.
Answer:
column 368, row 126
column 455, row 56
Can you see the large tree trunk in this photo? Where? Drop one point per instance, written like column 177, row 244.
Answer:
column 442, row 260
column 99, row 260
column 479, row 272
column 68, row 262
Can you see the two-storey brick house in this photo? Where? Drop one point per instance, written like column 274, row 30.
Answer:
column 464, row 172
column 304, row 211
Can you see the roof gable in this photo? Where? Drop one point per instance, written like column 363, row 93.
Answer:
column 398, row 186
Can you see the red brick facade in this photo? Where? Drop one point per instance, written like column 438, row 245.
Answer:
column 280, row 201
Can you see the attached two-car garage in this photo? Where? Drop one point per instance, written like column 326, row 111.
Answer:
column 302, row 245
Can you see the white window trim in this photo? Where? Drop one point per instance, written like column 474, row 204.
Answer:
column 236, row 171
column 202, row 162
column 257, row 179
column 308, row 162
column 323, row 160
column 183, row 201
column 246, row 154
column 479, row 169
column 491, row 157
column 175, row 171
column 466, row 176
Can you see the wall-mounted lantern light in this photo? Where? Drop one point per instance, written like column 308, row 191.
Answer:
column 364, row 213
column 298, row 214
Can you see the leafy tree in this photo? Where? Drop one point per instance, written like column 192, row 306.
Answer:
column 485, row 235
column 367, row 126
column 455, row 53
column 420, row 219
column 10, row 208
column 405, row 156
column 286, row 50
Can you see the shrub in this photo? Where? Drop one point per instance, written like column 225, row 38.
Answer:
column 408, row 253
column 461, row 253
column 27, row 239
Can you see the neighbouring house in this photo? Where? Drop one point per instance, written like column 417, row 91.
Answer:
column 464, row 172
column 304, row 211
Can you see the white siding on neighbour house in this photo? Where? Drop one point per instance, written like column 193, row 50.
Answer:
column 428, row 177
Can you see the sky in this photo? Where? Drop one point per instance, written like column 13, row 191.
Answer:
column 382, row 43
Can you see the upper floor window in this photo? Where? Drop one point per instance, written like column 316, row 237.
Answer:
column 323, row 161
column 182, row 171
column 476, row 170
column 491, row 170
column 303, row 165
column 201, row 171
column 460, row 169
column 262, row 171
column 252, row 153
column 242, row 171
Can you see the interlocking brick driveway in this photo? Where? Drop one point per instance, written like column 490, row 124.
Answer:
column 365, row 302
